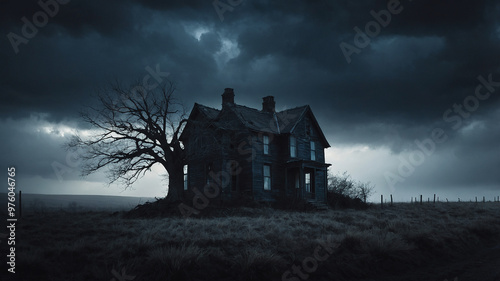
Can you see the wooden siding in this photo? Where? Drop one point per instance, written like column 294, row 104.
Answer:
column 305, row 132
column 278, row 147
column 320, row 185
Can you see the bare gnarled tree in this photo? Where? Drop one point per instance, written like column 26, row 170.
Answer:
column 134, row 129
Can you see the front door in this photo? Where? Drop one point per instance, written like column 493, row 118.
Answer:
column 302, row 182
column 309, row 184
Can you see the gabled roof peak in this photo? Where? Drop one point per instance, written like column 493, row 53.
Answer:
column 266, row 120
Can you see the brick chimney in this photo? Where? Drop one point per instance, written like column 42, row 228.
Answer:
column 268, row 104
column 228, row 97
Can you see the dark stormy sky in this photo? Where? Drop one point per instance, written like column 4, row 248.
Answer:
column 425, row 75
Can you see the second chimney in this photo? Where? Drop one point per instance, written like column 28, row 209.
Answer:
column 268, row 104
column 228, row 97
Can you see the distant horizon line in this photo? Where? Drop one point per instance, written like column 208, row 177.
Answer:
column 82, row 194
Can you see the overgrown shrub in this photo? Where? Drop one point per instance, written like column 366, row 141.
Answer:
column 344, row 192
column 340, row 201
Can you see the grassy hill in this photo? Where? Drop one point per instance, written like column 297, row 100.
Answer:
column 403, row 242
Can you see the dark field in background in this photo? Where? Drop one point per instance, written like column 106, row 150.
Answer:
column 39, row 203
column 403, row 242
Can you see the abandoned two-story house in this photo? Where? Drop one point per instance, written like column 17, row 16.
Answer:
column 255, row 154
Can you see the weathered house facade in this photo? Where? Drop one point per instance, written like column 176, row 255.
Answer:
column 241, row 152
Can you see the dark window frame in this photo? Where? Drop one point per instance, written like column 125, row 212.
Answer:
column 313, row 150
column 185, row 170
column 293, row 148
column 265, row 145
column 267, row 178
column 208, row 169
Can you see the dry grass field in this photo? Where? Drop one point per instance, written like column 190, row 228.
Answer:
column 402, row 242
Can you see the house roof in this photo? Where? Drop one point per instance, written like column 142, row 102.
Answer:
column 282, row 122
column 210, row 113
column 278, row 123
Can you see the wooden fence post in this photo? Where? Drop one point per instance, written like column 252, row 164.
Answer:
column 434, row 198
column 476, row 199
column 381, row 200
column 391, row 199
column 420, row 199
column 484, row 199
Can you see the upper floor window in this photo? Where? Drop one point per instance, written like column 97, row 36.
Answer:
column 313, row 151
column 293, row 146
column 267, row 177
column 185, row 169
column 265, row 142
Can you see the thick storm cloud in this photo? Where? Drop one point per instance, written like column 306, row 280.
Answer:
column 410, row 67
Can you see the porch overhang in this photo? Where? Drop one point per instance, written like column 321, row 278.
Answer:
column 306, row 163
column 299, row 169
